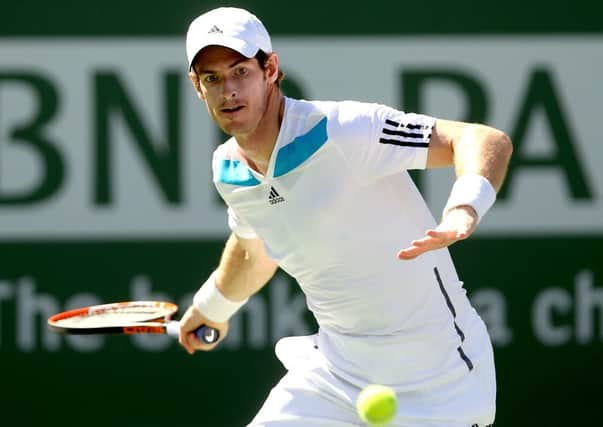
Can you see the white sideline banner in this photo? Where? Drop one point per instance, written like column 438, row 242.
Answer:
column 76, row 116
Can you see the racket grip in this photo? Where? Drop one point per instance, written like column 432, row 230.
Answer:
column 205, row 334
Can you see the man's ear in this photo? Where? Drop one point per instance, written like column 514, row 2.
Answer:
column 271, row 68
column 196, row 84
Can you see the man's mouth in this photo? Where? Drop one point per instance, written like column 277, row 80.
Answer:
column 232, row 109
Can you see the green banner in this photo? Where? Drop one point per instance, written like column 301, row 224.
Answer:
column 349, row 17
column 541, row 298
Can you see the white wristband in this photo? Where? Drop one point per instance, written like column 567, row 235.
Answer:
column 473, row 190
column 212, row 304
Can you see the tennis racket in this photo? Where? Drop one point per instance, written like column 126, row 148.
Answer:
column 130, row 317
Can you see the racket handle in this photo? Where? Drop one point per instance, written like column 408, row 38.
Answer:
column 205, row 334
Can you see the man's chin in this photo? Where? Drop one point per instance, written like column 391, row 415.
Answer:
column 232, row 128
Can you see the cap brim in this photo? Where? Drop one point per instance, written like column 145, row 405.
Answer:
column 235, row 44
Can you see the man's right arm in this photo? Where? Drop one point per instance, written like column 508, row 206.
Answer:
column 243, row 270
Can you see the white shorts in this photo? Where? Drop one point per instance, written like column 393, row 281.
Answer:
column 309, row 395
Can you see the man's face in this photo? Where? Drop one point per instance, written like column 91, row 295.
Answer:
column 234, row 88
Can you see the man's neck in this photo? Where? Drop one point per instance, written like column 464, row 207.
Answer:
column 257, row 146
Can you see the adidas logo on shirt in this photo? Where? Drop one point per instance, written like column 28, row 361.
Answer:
column 274, row 197
column 214, row 29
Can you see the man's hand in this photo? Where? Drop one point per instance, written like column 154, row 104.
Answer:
column 457, row 224
column 193, row 319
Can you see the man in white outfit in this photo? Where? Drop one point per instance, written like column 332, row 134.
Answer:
column 321, row 190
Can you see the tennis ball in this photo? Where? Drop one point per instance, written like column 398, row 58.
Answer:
column 377, row 404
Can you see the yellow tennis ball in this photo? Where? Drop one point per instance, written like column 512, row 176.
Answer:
column 377, row 404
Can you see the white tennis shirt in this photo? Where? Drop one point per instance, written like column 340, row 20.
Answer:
column 334, row 208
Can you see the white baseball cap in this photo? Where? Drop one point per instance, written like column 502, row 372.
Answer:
column 231, row 27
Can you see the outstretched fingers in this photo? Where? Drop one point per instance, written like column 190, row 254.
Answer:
column 433, row 239
column 458, row 224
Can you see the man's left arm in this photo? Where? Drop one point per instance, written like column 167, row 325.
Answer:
column 480, row 155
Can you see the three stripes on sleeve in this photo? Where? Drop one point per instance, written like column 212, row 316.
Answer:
column 405, row 135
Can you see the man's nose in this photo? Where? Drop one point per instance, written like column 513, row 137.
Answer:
column 230, row 89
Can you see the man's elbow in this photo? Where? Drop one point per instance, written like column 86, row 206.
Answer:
column 503, row 142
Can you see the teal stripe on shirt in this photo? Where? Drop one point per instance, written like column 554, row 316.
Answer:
column 236, row 173
column 301, row 148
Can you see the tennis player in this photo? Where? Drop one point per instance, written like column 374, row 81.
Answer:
column 321, row 190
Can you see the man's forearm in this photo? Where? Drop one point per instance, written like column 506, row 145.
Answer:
column 483, row 151
column 244, row 268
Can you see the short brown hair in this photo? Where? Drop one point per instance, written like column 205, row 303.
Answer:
column 262, row 57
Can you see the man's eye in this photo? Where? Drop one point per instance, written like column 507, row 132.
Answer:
column 210, row 79
column 241, row 71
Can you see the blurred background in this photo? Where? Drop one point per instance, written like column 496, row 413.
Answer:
column 106, row 195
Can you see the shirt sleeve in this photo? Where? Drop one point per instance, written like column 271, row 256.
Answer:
column 239, row 227
column 378, row 140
